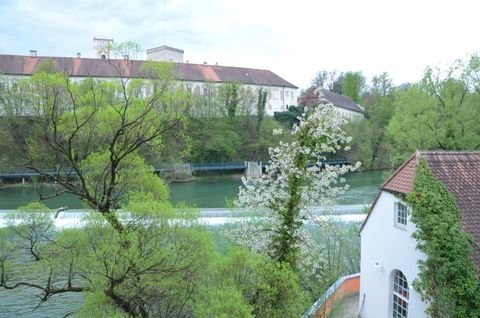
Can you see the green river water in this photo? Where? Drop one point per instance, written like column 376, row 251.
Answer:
column 204, row 193
column 208, row 192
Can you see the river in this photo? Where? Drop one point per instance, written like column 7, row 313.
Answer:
column 214, row 192
column 209, row 192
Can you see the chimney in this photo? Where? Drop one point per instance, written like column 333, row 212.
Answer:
column 33, row 53
column 79, row 55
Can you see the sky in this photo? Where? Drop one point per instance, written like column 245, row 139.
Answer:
column 294, row 39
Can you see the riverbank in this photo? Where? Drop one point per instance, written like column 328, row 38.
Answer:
column 169, row 179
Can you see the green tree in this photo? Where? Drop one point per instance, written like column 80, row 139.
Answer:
column 353, row 84
column 371, row 142
column 448, row 278
column 272, row 290
column 256, row 149
column 440, row 112
column 262, row 100
column 214, row 140
column 289, row 117
column 155, row 275
column 229, row 98
column 91, row 133
column 331, row 80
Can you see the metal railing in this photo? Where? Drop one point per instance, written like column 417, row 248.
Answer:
column 217, row 166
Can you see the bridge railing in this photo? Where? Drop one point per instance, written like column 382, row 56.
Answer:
column 217, row 166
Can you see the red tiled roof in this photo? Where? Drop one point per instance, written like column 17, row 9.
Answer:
column 402, row 179
column 459, row 172
column 84, row 67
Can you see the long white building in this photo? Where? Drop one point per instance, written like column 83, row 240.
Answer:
column 196, row 77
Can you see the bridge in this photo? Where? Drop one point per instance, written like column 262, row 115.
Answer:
column 240, row 165
column 188, row 167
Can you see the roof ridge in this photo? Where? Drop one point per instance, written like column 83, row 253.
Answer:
column 448, row 152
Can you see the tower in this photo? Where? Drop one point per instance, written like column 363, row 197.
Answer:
column 102, row 47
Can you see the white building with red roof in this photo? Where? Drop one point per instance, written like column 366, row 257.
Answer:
column 388, row 251
column 200, row 79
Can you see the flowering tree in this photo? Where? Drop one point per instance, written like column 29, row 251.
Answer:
column 296, row 181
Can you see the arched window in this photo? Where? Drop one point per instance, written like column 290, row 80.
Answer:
column 400, row 295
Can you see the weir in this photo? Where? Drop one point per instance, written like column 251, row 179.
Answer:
column 75, row 218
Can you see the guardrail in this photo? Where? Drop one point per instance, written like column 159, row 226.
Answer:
column 344, row 286
column 219, row 166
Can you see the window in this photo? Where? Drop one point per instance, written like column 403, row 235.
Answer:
column 400, row 295
column 196, row 90
column 400, row 214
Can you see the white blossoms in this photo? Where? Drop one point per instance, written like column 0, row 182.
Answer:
column 296, row 179
column 277, row 131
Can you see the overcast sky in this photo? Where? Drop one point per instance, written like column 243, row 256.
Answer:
column 294, row 39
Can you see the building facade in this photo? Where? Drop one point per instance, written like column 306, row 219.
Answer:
column 388, row 252
column 344, row 105
column 200, row 79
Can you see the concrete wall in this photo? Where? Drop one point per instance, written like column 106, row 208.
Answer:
column 385, row 248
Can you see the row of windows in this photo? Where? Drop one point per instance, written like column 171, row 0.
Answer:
column 272, row 93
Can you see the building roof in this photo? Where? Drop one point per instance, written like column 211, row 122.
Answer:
column 338, row 100
column 459, row 172
column 85, row 67
column 314, row 96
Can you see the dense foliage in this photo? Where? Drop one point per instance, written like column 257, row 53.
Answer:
column 169, row 267
column 228, row 140
column 448, row 278
column 440, row 112
column 152, row 261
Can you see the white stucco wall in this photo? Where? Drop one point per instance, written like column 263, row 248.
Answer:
column 278, row 98
column 394, row 249
column 165, row 54
column 348, row 113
